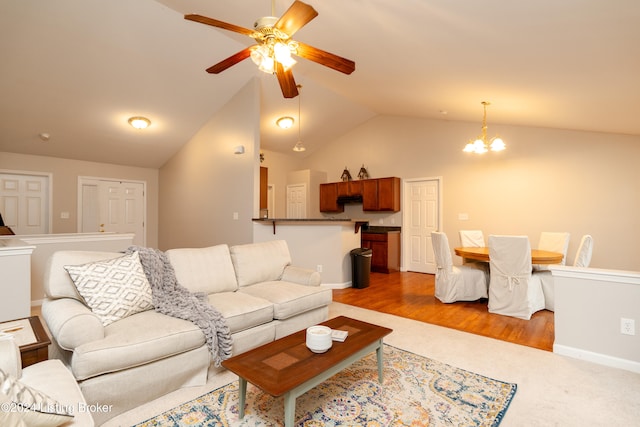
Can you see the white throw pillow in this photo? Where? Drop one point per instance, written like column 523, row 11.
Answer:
column 23, row 405
column 113, row 288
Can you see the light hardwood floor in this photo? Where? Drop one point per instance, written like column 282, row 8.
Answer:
column 411, row 295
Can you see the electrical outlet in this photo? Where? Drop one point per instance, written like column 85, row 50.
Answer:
column 319, row 268
column 627, row 326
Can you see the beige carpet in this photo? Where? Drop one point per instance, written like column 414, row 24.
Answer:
column 552, row 390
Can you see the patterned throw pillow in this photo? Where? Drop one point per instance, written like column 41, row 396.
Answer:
column 23, row 405
column 113, row 288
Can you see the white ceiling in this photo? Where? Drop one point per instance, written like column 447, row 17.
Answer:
column 78, row 69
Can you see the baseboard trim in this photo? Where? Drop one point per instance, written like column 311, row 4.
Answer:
column 343, row 285
column 601, row 359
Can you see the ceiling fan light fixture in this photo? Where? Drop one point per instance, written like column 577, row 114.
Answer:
column 261, row 56
column 139, row 122
column 299, row 147
column 282, row 54
column 285, row 122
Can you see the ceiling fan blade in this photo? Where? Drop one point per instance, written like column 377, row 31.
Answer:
column 215, row 23
column 327, row 59
column 230, row 61
column 287, row 82
column 297, row 16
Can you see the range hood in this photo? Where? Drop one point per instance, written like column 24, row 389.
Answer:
column 350, row 199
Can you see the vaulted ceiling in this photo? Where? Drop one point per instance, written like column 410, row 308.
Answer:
column 78, row 69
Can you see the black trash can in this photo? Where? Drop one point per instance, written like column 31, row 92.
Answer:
column 360, row 267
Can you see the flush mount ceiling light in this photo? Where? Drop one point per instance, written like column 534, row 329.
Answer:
column 139, row 122
column 285, row 122
column 481, row 145
column 299, row 147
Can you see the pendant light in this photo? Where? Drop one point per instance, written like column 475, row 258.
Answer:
column 480, row 145
column 299, row 146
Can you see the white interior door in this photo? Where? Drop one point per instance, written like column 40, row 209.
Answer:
column 422, row 216
column 24, row 202
column 297, row 201
column 113, row 206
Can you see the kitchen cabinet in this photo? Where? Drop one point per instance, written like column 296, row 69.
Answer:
column 385, row 249
column 349, row 188
column 329, row 198
column 381, row 194
column 264, row 182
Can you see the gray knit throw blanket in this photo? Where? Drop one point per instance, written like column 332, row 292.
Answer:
column 173, row 299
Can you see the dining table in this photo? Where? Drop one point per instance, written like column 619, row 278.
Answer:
column 481, row 253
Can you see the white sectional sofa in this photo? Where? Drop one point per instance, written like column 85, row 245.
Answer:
column 148, row 354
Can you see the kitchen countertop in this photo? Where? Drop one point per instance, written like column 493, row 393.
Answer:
column 378, row 229
column 291, row 221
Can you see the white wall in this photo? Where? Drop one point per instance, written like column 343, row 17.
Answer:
column 546, row 180
column 590, row 304
column 205, row 183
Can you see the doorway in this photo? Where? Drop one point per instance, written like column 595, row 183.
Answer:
column 297, row 201
column 110, row 205
column 25, row 201
column 422, row 214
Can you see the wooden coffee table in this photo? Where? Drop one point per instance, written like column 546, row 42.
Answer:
column 287, row 367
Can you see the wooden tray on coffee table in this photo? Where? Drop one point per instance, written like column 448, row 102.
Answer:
column 287, row 367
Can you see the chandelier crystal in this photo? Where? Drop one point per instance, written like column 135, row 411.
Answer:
column 481, row 145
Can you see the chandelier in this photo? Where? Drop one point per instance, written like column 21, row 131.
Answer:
column 481, row 145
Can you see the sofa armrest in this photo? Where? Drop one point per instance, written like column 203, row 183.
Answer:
column 71, row 323
column 10, row 361
column 302, row 276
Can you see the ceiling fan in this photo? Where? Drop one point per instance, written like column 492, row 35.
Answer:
column 274, row 46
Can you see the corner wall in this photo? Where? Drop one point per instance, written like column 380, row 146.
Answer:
column 205, row 185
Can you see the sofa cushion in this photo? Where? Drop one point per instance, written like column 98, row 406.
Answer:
column 207, row 270
column 242, row 311
column 35, row 407
column 133, row 341
column 260, row 262
column 290, row 299
column 114, row 288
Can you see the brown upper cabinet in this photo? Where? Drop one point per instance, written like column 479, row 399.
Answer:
column 382, row 194
column 329, row 198
column 349, row 188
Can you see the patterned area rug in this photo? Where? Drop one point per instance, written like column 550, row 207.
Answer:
column 417, row 391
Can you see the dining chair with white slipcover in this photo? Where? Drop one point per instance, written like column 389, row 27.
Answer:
column 553, row 241
column 514, row 290
column 456, row 283
column 582, row 259
column 471, row 239
column 584, row 253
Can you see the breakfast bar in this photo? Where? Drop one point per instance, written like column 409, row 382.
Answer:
column 321, row 244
